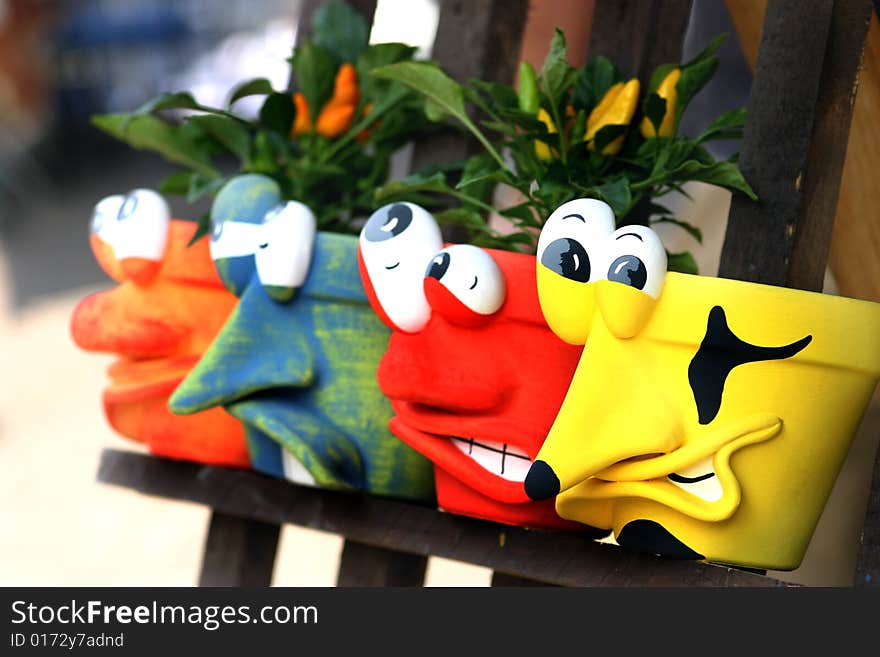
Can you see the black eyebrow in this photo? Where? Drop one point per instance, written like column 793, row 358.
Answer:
column 636, row 235
column 577, row 216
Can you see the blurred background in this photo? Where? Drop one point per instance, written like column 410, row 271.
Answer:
column 61, row 62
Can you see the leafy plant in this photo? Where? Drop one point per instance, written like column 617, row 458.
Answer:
column 331, row 160
column 568, row 133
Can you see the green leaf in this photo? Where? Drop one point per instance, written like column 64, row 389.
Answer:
column 203, row 228
column 278, row 112
column 255, row 87
column 200, row 185
column 726, row 126
column 444, row 92
column 617, row 194
column 480, row 169
column 593, row 82
column 179, row 100
column 314, row 71
column 399, row 189
column 460, row 217
column 231, row 134
column 693, row 78
column 176, row 183
column 430, row 81
column 434, row 111
column 692, row 230
column 557, row 76
column 606, row 135
column 723, row 174
column 340, row 30
column 525, row 212
column 375, row 56
column 654, row 107
column 147, row 132
column 681, row 262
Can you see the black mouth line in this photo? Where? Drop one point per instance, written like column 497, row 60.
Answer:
column 263, row 246
column 680, row 479
column 394, row 266
column 470, row 442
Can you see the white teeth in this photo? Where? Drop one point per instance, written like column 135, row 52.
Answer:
column 708, row 489
column 294, row 470
column 500, row 459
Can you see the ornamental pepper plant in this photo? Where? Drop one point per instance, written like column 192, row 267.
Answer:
column 566, row 133
column 327, row 142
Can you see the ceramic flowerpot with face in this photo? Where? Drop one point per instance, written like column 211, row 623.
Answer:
column 296, row 361
column 472, row 371
column 166, row 310
column 707, row 418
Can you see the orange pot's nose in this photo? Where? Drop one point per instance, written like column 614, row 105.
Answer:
column 140, row 270
column 105, row 322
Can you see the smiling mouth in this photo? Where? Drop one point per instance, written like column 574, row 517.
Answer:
column 394, row 266
column 699, row 480
column 500, row 459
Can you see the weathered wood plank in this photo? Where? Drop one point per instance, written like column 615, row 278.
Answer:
column 505, row 579
column 868, row 566
column 567, row 559
column 795, row 142
column 470, row 37
column 239, row 551
column 638, row 36
column 368, row 565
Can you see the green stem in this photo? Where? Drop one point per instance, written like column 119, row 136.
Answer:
column 485, row 142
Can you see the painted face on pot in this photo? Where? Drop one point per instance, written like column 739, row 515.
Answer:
column 707, row 418
column 159, row 319
column 296, row 361
column 473, row 373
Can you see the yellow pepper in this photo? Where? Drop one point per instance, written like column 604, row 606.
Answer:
column 337, row 114
column 616, row 108
column 542, row 150
column 666, row 91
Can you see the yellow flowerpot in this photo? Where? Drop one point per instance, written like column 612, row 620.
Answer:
column 708, row 418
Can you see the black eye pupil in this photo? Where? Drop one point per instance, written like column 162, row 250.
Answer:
column 629, row 270
column 385, row 224
column 438, row 266
column 568, row 258
column 128, row 207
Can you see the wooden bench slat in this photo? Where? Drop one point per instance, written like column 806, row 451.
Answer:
column 566, row 559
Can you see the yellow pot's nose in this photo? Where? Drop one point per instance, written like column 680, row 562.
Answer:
column 625, row 310
column 612, row 412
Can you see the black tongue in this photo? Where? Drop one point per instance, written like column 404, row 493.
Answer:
column 649, row 536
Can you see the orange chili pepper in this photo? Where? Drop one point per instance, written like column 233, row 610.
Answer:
column 337, row 114
column 303, row 121
column 334, row 120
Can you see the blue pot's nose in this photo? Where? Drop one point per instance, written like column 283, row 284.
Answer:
column 260, row 347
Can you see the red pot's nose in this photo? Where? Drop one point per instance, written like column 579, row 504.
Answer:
column 444, row 366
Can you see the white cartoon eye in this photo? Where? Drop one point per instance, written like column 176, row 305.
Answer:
column 284, row 250
column 395, row 246
column 473, row 279
column 573, row 236
column 635, row 256
column 233, row 239
column 103, row 223
column 141, row 229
